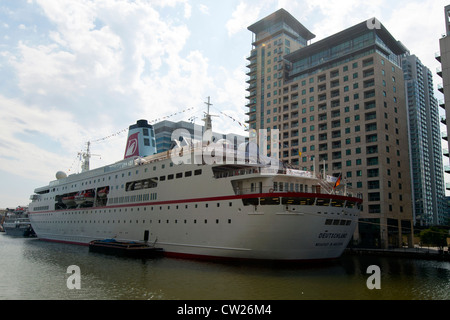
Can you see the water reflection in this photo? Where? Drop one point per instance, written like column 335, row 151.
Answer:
column 34, row 269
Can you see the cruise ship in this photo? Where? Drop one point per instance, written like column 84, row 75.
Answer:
column 242, row 208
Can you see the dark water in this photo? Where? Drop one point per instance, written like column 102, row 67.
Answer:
column 33, row 269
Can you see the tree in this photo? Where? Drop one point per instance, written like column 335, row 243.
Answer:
column 434, row 237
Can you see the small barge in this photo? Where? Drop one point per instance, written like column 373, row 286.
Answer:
column 123, row 248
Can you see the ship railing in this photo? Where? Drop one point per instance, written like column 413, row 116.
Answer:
column 231, row 172
column 294, row 188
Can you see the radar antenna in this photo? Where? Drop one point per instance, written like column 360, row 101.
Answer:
column 86, row 156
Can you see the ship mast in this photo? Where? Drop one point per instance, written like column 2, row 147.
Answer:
column 208, row 123
column 86, row 156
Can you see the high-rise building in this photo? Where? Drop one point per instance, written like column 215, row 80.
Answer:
column 444, row 72
column 339, row 105
column 444, row 58
column 425, row 144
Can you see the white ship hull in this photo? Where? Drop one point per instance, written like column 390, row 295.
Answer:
column 225, row 212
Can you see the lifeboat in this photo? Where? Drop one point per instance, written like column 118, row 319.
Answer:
column 84, row 196
column 102, row 193
column 69, row 200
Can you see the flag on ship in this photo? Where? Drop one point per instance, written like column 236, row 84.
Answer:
column 338, row 181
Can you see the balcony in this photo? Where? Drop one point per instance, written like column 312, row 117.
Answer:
column 437, row 56
column 251, row 71
column 445, row 152
column 439, row 71
column 251, row 64
column 447, row 169
column 443, row 120
column 251, row 110
column 252, row 94
column 442, row 103
column 252, row 55
column 444, row 135
column 440, row 87
column 251, row 86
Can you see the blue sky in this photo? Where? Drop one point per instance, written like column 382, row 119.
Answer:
column 73, row 71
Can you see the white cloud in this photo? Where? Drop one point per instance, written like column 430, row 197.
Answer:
column 420, row 29
column 26, row 126
column 203, row 8
column 244, row 15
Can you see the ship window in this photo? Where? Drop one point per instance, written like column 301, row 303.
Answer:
column 337, row 203
column 328, row 222
column 323, row 202
column 250, row 201
column 188, row 173
column 198, row 172
column 179, row 175
column 170, row 177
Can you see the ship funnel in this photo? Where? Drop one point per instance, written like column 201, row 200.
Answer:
column 141, row 140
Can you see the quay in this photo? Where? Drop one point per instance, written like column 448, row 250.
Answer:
column 424, row 253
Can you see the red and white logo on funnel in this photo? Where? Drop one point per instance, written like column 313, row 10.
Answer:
column 132, row 146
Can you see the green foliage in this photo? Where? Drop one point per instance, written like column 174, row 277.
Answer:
column 434, row 237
